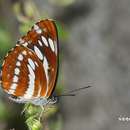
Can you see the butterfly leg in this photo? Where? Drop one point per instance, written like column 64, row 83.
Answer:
column 25, row 108
column 41, row 113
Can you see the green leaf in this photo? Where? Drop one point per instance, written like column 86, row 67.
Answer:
column 33, row 124
column 62, row 33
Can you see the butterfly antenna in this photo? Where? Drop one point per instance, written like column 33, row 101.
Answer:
column 73, row 92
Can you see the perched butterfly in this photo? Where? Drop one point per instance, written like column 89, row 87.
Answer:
column 30, row 69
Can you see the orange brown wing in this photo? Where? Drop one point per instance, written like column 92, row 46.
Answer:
column 30, row 69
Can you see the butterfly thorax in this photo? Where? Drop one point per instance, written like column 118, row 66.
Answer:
column 44, row 101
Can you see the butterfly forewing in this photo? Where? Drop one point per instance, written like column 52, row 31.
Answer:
column 43, row 41
column 35, row 63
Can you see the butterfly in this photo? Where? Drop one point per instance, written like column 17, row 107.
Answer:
column 30, row 69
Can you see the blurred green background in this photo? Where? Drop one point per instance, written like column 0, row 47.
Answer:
column 94, row 38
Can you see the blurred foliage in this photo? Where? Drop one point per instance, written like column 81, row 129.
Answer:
column 57, row 125
column 3, row 111
column 63, row 2
column 26, row 12
column 5, row 42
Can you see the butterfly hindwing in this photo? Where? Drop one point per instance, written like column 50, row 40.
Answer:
column 22, row 74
